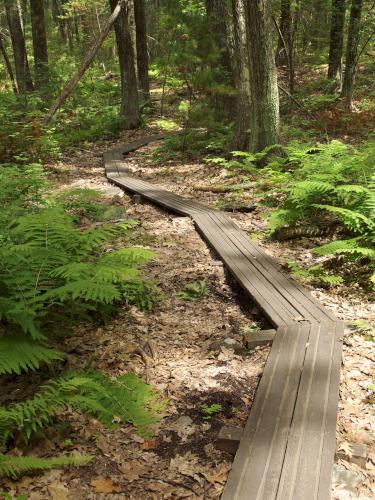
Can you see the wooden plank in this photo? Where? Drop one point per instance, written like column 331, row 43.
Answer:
column 288, row 286
column 258, row 463
column 311, row 445
column 274, row 299
column 249, row 280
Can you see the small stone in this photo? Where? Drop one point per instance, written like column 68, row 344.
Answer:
column 347, row 480
column 227, row 343
column 229, row 439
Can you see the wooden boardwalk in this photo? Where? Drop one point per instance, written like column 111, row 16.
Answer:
column 287, row 449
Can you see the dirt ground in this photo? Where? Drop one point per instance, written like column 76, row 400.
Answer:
column 179, row 349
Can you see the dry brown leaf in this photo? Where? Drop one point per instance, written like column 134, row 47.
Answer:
column 105, row 486
column 132, row 470
column 218, row 476
column 58, row 491
column 149, row 444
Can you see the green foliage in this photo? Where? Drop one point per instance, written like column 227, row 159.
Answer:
column 49, row 269
column 314, row 274
column 194, row 291
column 19, row 353
column 13, row 466
column 321, row 185
column 126, row 399
column 210, row 411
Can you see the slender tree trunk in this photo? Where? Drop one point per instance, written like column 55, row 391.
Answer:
column 242, row 78
column 24, row 81
column 39, row 43
column 264, row 125
column 352, row 52
column 130, row 113
column 69, row 87
column 336, row 41
column 285, row 33
column 218, row 12
column 57, row 13
column 142, row 48
column 8, row 65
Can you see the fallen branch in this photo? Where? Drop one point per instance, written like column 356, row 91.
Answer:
column 70, row 86
column 223, row 189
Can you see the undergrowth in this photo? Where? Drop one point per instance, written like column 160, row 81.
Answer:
column 319, row 186
column 52, row 274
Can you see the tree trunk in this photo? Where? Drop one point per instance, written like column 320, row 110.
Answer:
column 242, row 79
column 336, row 41
column 285, row 33
column 69, row 87
column 264, row 124
column 57, row 13
column 24, row 81
column 130, row 114
column 142, row 48
column 352, row 52
column 218, row 12
column 8, row 65
column 39, row 43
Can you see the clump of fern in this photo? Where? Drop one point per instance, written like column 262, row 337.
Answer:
column 14, row 466
column 126, row 399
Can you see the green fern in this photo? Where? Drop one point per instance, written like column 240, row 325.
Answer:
column 13, row 467
column 19, row 353
column 126, row 399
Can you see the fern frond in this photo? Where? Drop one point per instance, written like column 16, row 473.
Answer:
column 352, row 247
column 19, row 353
column 355, row 221
column 13, row 467
column 105, row 293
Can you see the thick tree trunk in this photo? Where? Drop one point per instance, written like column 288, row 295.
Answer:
column 69, row 87
column 242, row 78
column 336, row 41
column 142, row 48
column 264, row 125
column 24, row 81
column 8, row 65
column 130, row 113
column 352, row 52
column 39, row 43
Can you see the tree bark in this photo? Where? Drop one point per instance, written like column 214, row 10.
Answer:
column 336, row 41
column 38, row 26
column 8, row 65
column 351, row 52
column 23, row 76
column 285, row 32
column 130, row 113
column 142, row 48
column 264, row 124
column 242, row 78
column 57, row 12
column 69, row 87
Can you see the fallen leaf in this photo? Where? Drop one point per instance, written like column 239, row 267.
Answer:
column 58, row 491
column 218, row 476
column 132, row 470
column 149, row 444
column 105, row 486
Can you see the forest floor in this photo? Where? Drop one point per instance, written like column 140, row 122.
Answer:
column 186, row 356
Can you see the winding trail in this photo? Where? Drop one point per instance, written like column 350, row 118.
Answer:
column 288, row 445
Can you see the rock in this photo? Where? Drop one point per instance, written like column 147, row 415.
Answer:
column 348, row 480
column 227, row 343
